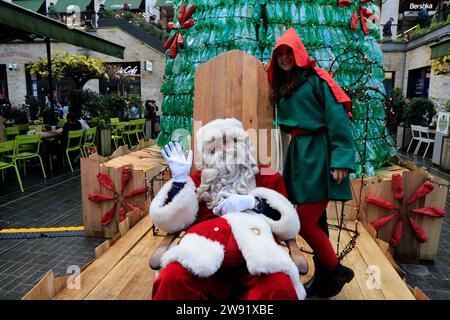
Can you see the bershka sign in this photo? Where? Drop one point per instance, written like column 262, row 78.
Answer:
column 417, row 5
column 413, row 6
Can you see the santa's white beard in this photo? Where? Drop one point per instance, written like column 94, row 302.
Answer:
column 224, row 172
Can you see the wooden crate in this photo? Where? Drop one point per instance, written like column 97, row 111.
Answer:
column 409, row 250
column 147, row 168
column 445, row 155
column 234, row 84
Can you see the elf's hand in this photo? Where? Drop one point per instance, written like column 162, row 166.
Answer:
column 340, row 174
column 179, row 165
column 235, row 203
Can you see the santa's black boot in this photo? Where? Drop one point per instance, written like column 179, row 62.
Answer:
column 335, row 280
column 314, row 285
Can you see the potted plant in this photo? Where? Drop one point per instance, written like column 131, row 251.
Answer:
column 420, row 112
column 398, row 111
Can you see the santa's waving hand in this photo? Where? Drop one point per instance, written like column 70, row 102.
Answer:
column 179, row 165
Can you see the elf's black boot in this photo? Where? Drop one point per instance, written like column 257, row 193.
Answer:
column 313, row 286
column 335, row 280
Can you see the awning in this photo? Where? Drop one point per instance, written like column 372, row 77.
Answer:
column 32, row 5
column 18, row 20
column 164, row 3
column 62, row 5
column 440, row 49
column 117, row 4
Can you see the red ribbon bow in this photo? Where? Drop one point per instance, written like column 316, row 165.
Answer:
column 185, row 22
column 118, row 197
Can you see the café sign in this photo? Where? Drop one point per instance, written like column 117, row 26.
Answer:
column 128, row 68
column 129, row 71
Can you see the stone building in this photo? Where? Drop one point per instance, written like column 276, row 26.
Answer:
column 143, row 58
column 408, row 66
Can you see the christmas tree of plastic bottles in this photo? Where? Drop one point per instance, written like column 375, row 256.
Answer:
column 254, row 26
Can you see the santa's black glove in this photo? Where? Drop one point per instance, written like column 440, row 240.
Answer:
column 262, row 207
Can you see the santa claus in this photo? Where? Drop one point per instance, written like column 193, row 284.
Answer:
column 233, row 218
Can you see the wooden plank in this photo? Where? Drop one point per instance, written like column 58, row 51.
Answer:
column 233, row 84
column 408, row 250
column 91, row 210
column 432, row 226
column 111, row 229
column 386, row 249
column 353, row 289
column 46, row 288
column 133, row 217
column 102, row 266
column 132, row 278
column 102, row 248
column 392, row 286
column 334, row 211
column 381, row 188
column 124, row 226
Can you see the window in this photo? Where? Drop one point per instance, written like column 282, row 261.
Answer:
column 128, row 81
column 38, row 87
column 3, row 85
column 418, row 82
column 389, row 82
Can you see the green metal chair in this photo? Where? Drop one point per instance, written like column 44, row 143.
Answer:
column 89, row 141
column 117, row 133
column 74, row 139
column 27, row 147
column 6, row 147
column 23, row 128
column 140, row 128
column 61, row 122
column 131, row 129
column 11, row 132
column 114, row 120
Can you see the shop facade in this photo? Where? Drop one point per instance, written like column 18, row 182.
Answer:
column 143, row 63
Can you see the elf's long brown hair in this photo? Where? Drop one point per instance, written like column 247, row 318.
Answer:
column 280, row 87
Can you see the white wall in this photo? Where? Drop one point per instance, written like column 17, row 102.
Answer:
column 389, row 9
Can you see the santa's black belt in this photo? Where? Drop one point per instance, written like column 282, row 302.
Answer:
column 305, row 132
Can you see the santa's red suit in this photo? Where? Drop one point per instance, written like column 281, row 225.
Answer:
column 232, row 256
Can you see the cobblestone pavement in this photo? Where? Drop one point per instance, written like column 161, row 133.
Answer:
column 52, row 203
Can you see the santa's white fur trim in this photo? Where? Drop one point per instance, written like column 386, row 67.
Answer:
column 217, row 128
column 201, row 256
column 179, row 213
column 288, row 226
column 262, row 254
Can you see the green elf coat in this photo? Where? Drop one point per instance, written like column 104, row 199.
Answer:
column 317, row 103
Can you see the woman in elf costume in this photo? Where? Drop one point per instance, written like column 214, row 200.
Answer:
column 315, row 111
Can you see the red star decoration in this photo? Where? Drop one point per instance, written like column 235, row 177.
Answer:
column 364, row 13
column 397, row 188
column 184, row 22
column 118, row 197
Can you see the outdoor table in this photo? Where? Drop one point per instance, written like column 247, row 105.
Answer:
column 49, row 134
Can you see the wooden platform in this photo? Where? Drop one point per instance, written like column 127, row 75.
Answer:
column 122, row 271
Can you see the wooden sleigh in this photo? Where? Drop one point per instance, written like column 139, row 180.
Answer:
column 121, row 268
column 294, row 251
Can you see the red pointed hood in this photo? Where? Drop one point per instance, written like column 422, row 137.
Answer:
column 290, row 38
